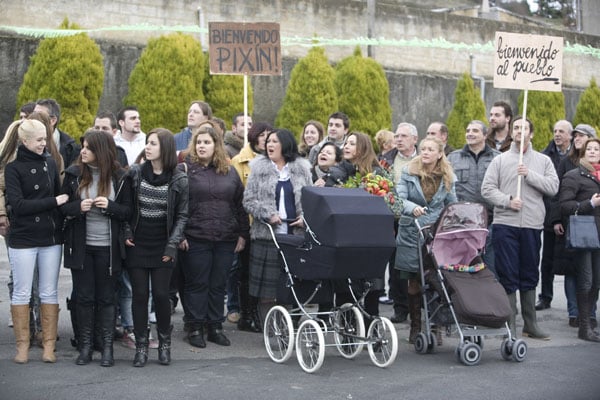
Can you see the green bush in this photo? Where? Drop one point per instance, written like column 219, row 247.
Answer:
column 588, row 107
column 70, row 70
column 310, row 93
column 543, row 109
column 166, row 79
column 225, row 94
column 363, row 93
column 468, row 105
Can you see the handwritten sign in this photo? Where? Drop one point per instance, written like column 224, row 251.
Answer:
column 244, row 48
column 528, row 62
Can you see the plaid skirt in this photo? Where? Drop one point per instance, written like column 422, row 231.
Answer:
column 265, row 269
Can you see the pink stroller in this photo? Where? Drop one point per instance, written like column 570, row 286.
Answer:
column 458, row 289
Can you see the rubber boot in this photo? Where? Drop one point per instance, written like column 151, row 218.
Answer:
column 141, row 348
column 512, row 322
column 106, row 328
column 164, row 346
column 85, row 325
column 585, row 330
column 530, row 327
column 248, row 310
column 414, row 310
column 49, row 314
column 20, row 316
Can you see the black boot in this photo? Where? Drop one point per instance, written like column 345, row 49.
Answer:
column 164, row 346
column 249, row 320
column 196, row 336
column 583, row 307
column 106, row 323
column 141, row 348
column 215, row 335
column 73, row 313
column 98, row 334
column 85, row 326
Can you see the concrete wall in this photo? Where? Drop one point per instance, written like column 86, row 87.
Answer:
column 422, row 76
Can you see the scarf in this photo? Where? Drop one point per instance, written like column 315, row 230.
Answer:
column 153, row 179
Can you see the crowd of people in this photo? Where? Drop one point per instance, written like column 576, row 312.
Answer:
column 145, row 221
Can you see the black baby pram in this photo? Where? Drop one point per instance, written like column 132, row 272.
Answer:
column 349, row 235
column 458, row 289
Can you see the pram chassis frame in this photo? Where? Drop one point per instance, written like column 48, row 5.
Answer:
column 345, row 323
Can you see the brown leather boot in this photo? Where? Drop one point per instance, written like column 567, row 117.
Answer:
column 414, row 310
column 20, row 316
column 49, row 327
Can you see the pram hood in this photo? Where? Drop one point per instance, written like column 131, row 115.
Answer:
column 351, row 235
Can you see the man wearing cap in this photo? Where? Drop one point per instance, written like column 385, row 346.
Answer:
column 557, row 149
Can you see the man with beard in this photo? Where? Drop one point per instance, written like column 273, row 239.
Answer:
column 501, row 116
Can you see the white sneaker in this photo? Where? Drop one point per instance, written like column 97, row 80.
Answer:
column 152, row 318
column 10, row 323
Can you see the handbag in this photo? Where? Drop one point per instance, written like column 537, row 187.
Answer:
column 582, row 232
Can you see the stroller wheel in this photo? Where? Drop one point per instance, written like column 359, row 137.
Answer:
column 421, row 345
column 279, row 334
column 349, row 331
column 310, row 346
column 506, row 349
column 519, row 350
column 382, row 342
column 470, row 354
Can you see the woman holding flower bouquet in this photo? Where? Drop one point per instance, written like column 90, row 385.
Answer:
column 359, row 160
column 426, row 186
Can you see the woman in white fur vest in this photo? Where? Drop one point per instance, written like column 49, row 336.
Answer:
column 272, row 195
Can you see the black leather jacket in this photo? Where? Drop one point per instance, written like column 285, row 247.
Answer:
column 177, row 207
column 74, row 227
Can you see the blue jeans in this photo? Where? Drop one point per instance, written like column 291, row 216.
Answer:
column 23, row 263
column 125, row 300
column 205, row 267
column 233, row 283
column 488, row 255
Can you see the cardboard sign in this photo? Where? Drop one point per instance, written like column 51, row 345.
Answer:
column 528, row 62
column 244, row 48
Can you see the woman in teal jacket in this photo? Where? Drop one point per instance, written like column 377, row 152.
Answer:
column 426, row 186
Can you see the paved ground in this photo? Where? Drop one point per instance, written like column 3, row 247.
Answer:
column 562, row 368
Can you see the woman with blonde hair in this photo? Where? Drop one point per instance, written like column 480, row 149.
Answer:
column 32, row 193
column 426, row 186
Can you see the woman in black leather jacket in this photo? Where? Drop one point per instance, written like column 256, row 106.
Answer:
column 160, row 213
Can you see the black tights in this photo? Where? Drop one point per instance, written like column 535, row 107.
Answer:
column 140, row 279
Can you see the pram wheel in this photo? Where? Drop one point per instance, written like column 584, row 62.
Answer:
column 349, row 330
column 470, row 354
column 310, row 346
column 506, row 349
column 279, row 334
column 382, row 342
column 478, row 340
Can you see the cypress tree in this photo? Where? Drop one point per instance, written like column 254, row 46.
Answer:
column 543, row 109
column 310, row 93
column 468, row 105
column 588, row 107
column 225, row 94
column 167, row 77
column 363, row 93
column 68, row 69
